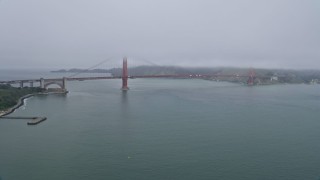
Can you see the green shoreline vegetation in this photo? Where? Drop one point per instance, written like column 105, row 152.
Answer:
column 9, row 96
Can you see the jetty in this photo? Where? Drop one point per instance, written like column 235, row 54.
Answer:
column 32, row 120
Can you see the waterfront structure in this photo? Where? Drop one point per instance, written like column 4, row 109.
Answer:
column 274, row 78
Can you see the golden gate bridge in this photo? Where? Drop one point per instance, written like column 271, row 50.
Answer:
column 61, row 82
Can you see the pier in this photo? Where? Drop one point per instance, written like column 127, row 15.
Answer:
column 32, row 120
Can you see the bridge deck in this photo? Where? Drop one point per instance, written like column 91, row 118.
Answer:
column 197, row 76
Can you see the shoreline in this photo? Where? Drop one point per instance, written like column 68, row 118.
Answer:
column 20, row 102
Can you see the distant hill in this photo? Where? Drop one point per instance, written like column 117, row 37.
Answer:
column 158, row 70
column 75, row 70
column 286, row 76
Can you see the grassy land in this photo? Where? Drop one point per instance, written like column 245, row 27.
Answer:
column 9, row 95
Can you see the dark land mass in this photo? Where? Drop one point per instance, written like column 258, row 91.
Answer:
column 279, row 75
column 9, row 96
column 75, row 70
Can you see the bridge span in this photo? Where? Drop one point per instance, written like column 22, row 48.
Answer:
column 61, row 82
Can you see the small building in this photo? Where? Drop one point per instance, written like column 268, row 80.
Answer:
column 274, row 78
column 314, row 81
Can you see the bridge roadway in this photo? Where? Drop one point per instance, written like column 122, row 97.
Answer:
column 58, row 79
column 192, row 76
column 44, row 83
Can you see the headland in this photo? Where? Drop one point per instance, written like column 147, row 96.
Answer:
column 11, row 98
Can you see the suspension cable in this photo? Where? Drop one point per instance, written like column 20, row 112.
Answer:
column 86, row 70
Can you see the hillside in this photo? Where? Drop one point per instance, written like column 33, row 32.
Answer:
column 9, row 95
column 285, row 75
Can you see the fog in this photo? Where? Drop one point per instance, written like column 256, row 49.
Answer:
column 79, row 33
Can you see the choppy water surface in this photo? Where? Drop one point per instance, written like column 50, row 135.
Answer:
column 166, row 129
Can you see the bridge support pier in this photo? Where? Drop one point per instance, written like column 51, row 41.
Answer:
column 31, row 84
column 42, row 83
column 64, row 82
column 125, row 75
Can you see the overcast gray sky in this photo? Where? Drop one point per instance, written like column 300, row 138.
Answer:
column 81, row 33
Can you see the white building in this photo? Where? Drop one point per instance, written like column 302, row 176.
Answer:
column 274, row 78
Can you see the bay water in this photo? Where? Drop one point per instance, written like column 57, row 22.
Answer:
column 165, row 129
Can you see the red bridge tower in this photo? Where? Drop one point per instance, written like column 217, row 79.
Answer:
column 252, row 77
column 125, row 75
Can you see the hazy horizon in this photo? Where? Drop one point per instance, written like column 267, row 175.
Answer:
column 280, row 34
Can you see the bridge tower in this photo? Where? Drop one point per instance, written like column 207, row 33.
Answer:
column 21, row 84
column 125, row 75
column 42, row 83
column 64, row 82
column 252, row 76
